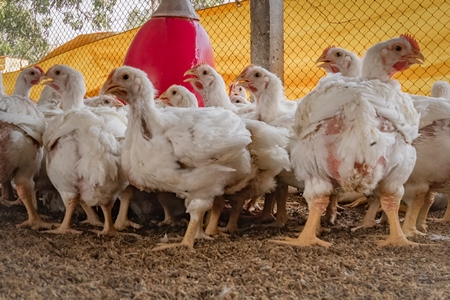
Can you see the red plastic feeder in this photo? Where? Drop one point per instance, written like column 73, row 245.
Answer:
column 169, row 44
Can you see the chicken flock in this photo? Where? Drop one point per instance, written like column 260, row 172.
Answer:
column 356, row 132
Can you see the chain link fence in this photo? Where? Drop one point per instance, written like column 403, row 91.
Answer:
column 94, row 35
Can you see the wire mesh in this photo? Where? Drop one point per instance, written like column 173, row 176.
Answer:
column 93, row 35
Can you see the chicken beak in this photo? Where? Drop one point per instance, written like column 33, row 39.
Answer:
column 192, row 73
column 241, row 80
column 415, row 58
column 163, row 97
column 119, row 104
column 45, row 80
column 166, row 101
column 323, row 61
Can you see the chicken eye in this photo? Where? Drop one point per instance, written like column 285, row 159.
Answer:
column 398, row 48
column 58, row 72
column 238, row 101
column 205, row 72
column 338, row 54
column 125, row 77
column 32, row 73
column 107, row 101
column 257, row 74
column 240, row 89
column 174, row 92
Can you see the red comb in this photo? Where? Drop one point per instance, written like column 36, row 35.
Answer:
column 411, row 40
column 40, row 69
column 327, row 49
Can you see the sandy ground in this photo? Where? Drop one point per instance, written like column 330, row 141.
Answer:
column 245, row 265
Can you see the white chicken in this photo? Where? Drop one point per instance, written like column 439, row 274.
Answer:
column 49, row 103
column 179, row 96
column 424, row 181
column 83, row 150
column 268, row 145
column 26, row 79
column 22, row 126
column 339, row 60
column 356, row 135
column 103, row 101
column 441, row 89
column 272, row 108
column 196, row 153
column 237, row 94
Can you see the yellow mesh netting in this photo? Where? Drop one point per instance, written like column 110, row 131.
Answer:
column 309, row 27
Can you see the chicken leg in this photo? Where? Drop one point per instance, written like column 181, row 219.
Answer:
column 91, row 216
column 25, row 191
column 266, row 213
column 446, row 217
column 357, row 202
column 197, row 209
column 308, row 236
column 409, row 225
column 122, row 220
column 108, row 227
column 212, row 228
column 167, row 201
column 390, row 205
column 332, row 212
column 369, row 219
column 236, row 208
column 281, row 195
column 421, row 222
column 65, row 226
column 7, row 197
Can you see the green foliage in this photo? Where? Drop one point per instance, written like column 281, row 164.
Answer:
column 21, row 34
column 24, row 24
column 137, row 17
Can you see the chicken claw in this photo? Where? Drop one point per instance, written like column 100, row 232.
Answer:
column 302, row 242
column 125, row 224
column 35, row 224
column 391, row 241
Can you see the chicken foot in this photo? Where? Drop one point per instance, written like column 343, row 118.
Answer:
column 7, row 197
column 421, row 222
column 390, row 205
column 122, row 220
column 108, row 227
column 446, row 217
column 308, row 235
column 25, row 191
column 212, row 228
column 65, row 226
column 91, row 216
column 197, row 209
column 409, row 224
column 281, row 195
column 369, row 219
column 166, row 200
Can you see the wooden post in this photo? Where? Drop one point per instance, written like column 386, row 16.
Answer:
column 267, row 35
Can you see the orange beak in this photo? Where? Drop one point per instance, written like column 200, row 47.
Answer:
column 415, row 58
column 324, row 61
column 192, row 73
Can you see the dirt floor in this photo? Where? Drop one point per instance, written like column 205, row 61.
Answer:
column 246, row 265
